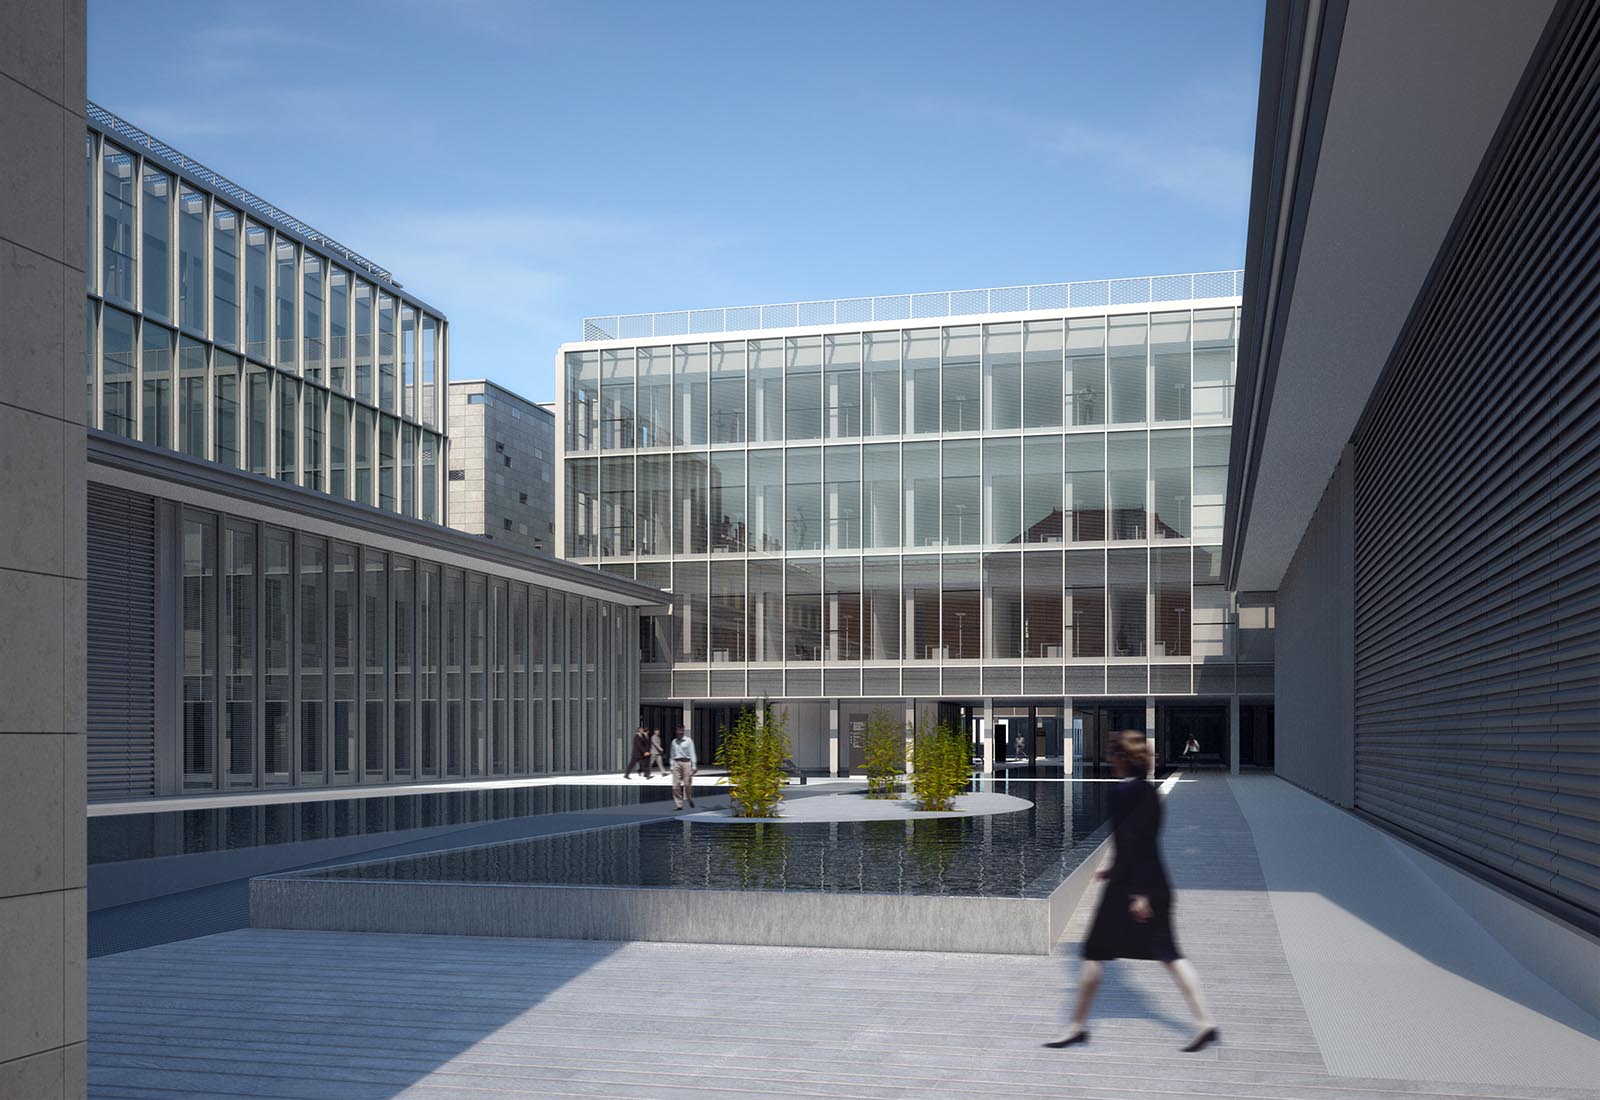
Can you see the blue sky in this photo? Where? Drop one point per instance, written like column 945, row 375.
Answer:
column 523, row 165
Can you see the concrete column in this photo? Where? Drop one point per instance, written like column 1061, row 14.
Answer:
column 911, row 731
column 833, row 737
column 988, row 737
column 43, row 586
column 688, row 725
column 1233, row 735
column 1067, row 740
column 1150, row 731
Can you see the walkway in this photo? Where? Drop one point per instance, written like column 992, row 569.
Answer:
column 363, row 1017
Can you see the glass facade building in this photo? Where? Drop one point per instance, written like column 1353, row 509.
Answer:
column 1021, row 507
column 223, row 328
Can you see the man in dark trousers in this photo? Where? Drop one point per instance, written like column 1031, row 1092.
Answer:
column 640, row 755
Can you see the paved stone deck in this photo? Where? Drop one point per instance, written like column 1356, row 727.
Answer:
column 336, row 1016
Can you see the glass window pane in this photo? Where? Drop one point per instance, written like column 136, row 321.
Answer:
column 430, row 367
column 880, row 609
column 654, row 499
column 766, row 501
column 921, row 350
column 239, row 651
column 616, row 399
column 1169, row 365
column 961, row 380
column 803, row 388
column 277, row 618
column 288, row 427
column 191, row 259
column 729, row 529
column 842, row 497
column 311, row 438
column 338, row 329
column 727, row 392
column 361, row 453
column 346, row 637
column 962, row 502
column 431, row 447
column 727, row 611
column 803, row 609
column 339, row 447
column 287, row 283
column 116, row 348
column 1169, row 478
column 1002, row 490
column 582, row 501
column 1125, row 483
column 160, row 351
column 1002, row 375
column 375, row 663
column 386, row 463
column 690, row 395
column 655, row 397
column 1042, row 481
column 842, row 385
column 156, row 261
column 766, row 610
column 1215, row 345
column 583, row 400
column 880, row 383
column 363, row 341
column 1126, row 591
column 408, row 469
column 766, row 391
column 1002, row 590
column 192, row 397
column 690, row 482
column 920, row 581
column 1086, row 370
column 1086, row 603
column 691, row 610
column 225, row 414
column 1041, row 374
column 1169, row 584
column 803, row 513
column 1043, row 586
column 963, row 606
column 313, row 612
column 258, row 406
column 116, row 225
column 880, row 495
column 921, row 478
column 408, row 361
column 1210, row 482
column 841, row 609
column 224, row 275
column 616, row 506
column 1086, row 486
column 256, row 276
column 1127, row 368
column 89, row 185
column 386, row 353
column 312, row 316
column 1209, row 632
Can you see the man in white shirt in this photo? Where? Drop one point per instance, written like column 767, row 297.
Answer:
column 684, row 763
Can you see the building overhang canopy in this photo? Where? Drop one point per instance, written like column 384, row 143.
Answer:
column 1374, row 118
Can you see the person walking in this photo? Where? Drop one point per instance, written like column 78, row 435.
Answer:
column 1134, row 920
column 684, row 764
column 639, row 754
column 656, row 761
column 1191, row 749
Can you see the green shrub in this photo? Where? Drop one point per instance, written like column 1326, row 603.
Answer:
column 885, row 749
column 754, row 752
column 941, row 766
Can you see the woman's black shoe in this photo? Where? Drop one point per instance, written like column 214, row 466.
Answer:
column 1070, row 1040
column 1204, row 1039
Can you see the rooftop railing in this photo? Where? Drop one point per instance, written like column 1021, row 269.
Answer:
column 912, row 307
column 131, row 135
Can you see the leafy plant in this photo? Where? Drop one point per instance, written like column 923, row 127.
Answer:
column 884, row 746
column 941, row 766
column 754, row 752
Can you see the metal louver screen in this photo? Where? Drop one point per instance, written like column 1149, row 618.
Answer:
column 121, row 644
column 1477, row 521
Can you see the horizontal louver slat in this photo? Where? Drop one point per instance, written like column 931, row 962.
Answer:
column 121, row 644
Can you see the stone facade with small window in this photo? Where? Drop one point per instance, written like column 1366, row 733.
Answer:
column 501, row 472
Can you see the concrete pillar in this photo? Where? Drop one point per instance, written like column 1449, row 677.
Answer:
column 43, row 586
column 833, row 737
column 988, row 737
column 1150, row 732
column 1233, row 735
column 1067, row 740
column 688, row 727
column 911, row 732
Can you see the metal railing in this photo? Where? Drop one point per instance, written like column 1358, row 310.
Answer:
column 912, row 307
column 131, row 135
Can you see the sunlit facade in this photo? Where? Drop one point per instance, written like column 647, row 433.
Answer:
column 223, row 328
column 1011, row 511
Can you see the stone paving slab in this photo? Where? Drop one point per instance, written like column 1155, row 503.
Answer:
column 344, row 1016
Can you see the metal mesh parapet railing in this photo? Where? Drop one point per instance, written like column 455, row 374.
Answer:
column 130, row 134
column 913, row 307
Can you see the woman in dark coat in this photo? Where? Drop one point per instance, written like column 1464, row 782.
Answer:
column 1134, row 920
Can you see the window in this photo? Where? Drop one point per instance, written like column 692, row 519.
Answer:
column 338, row 446
column 522, row 498
column 1086, row 370
column 386, row 353
column 616, row 399
column 312, row 315
column 765, row 481
column 430, row 363
column 921, row 351
column 1210, row 482
column 313, row 648
column 116, row 221
column 256, row 275
column 1086, row 603
column 1126, row 590
column 192, row 397
column 1169, row 365
column 408, row 361
column 880, row 495
column 729, row 528
column 311, row 448
column 654, row 524
column 1042, row 394
column 841, row 609
column 388, row 475
column 582, row 499
column 1043, row 585
column 1086, row 487
column 962, row 503
column 690, row 390
column 803, row 388
column 458, row 475
column 191, row 259
column 287, row 283
column 1002, row 589
column 1002, row 375
column 362, row 449
column 963, row 606
column 288, row 426
column 225, row 275
column 338, row 328
column 802, row 603
column 880, row 609
column 117, row 362
column 160, row 351
column 960, row 379
column 1169, row 585
column 803, row 508
column 655, row 397
column 920, row 478
column 842, row 497
column 477, row 399
column 1169, row 482
column 880, row 383
column 199, row 651
column 363, row 341
column 690, row 483
column 727, row 392
column 506, row 523
column 1126, row 369
column 1042, row 511
column 239, row 608
column 157, row 244
column 1215, row 339
column 766, row 391
column 258, row 400
column 225, row 417
column 616, row 505
column 842, row 386
column 277, row 616
column 1002, row 490
column 727, row 611
column 920, row 581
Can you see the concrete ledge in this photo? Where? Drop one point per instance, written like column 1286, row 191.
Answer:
column 1020, row 926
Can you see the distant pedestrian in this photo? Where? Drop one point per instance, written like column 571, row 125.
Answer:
column 684, row 765
column 656, row 761
column 639, row 754
column 1134, row 920
column 1191, row 749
